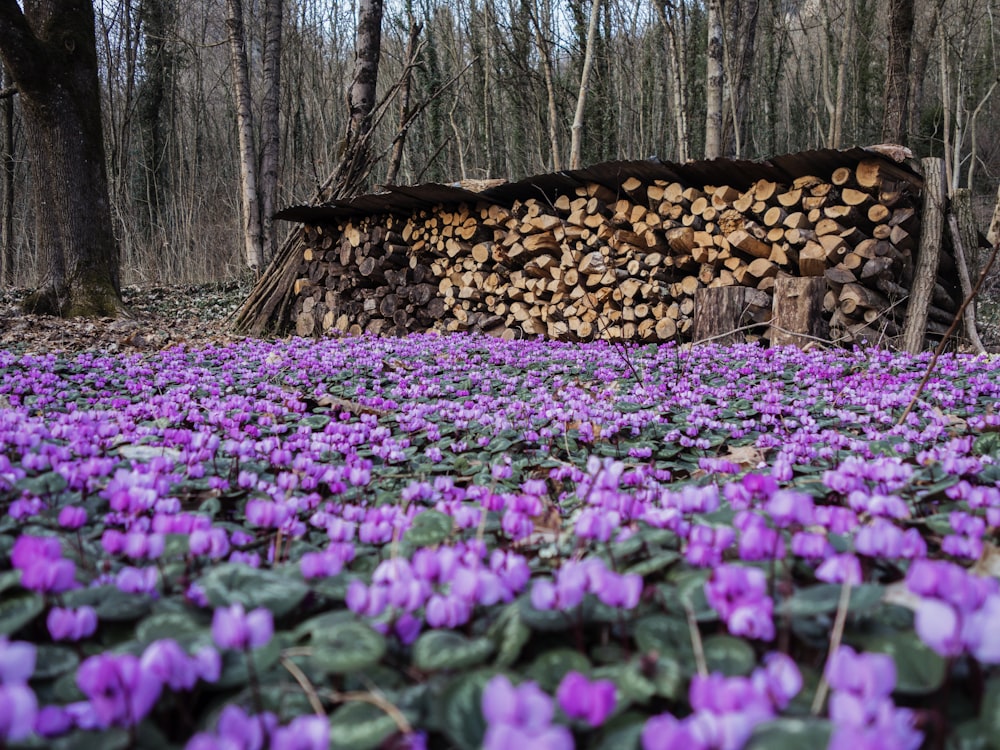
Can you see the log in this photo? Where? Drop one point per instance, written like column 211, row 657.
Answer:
column 798, row 311
column 928, row 257
column 720, row 314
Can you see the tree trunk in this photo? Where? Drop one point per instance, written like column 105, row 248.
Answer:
column 798, row 311
column 6, row 184
column 396, row 160
column 270, row 126
column 742, row 29
column 846, row 51
column 50, row 52
column 929, row 256
column 252, row 230
column 678, row 75
column 714, row 82
column 897, row 79
column 993, row 233
column 576, row 147
column 550, row 89
column 355, row 164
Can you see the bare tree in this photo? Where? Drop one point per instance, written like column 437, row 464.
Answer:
column 896, row 114
column 575, row 146
column 270, row 125
column 50, row 50
column 836, row 132
column 253, row 236
column 6, row 179
column 714, row 81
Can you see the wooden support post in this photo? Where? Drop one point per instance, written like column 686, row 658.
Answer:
column 928, row 257
column 719, row 314
column 798, row 311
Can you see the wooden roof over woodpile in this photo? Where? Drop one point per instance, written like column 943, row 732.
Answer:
column 740, row 174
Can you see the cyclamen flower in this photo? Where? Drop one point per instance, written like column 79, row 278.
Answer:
column 233, row 627
column 580, row 698
column 739, row 595
column 237, row 730
column 18, row 709
column 861, row 706
column 303, row 733
column 521, row 717
column 212, row 542
column 43, row 568
column 173, row 667
column 71, row 625
column 72, row 517
column 119, row 689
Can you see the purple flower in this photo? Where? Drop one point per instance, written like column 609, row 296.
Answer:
column 172, row 666
column 665, row 732
column 17, row 661
column 780, row 679
column 120, row 690
column 303, row 733
column 71, row 625
column 840, row 569
column 18, row 709
column 939, row 626
column 43, row 569
column 72, row 517
column 520, row 717
column 867, row 676
column 980, row 631
column 213, row 542
column 580, row 698
column 234, row 628
column 52, row 721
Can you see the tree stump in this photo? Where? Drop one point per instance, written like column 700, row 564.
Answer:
column 798, row 311
column 720, row 313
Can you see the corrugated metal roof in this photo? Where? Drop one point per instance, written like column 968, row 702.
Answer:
column 404, row 200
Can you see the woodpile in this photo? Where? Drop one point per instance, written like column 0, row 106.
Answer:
column 631, row 251
column 625, row 261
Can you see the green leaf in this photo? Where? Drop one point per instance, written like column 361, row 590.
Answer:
column 729, row 655
column 446, row 649
column 360, row 726
column 655, row 563
column 18, row 611
column 622, row 732
column 106, row 739
column 790, row 734
column 633, row 686
column 989, row 715
column 9, row 579
column 511, row 635
column 971, row 735
column 663, row 634
column 987, row 445
column 544, row 620
column 459, row 709
column 429, row 528
column 919, row 670
column 235, row 671
column 117, row 606
column 276, row 590
column 52, row 661
column 824, row 598
column 347, row 647
column 174, row 625
column 667, row 677
column 551, row 666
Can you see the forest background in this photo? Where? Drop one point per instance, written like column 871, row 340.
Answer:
column 494, row 89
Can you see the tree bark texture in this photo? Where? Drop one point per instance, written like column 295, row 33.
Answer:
column 742, row 32
column 929, row 255
column 270, row 125
column 897, row 84
column 962, row 230
column 847, row 49
column 993, row 234
column 50, row 53
column 798, row 311
column 576, row 139
column 714, row 79
column 355, row 161
column 6, row 184
column 252, row 230
column 721, row 314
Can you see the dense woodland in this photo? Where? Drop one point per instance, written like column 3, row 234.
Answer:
column 492, row 89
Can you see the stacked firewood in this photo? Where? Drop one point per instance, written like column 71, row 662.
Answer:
column 622, row 262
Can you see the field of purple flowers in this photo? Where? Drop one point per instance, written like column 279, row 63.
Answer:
column 460, row 542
